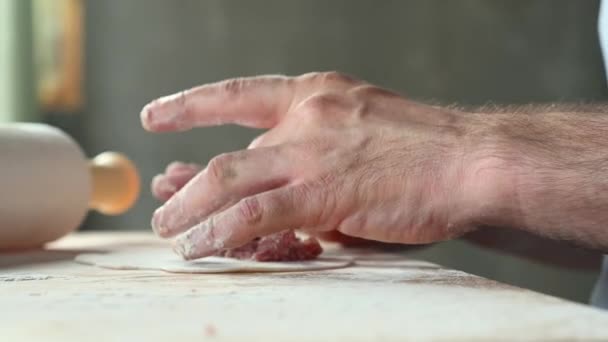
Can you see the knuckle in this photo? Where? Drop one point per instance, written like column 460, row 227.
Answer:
column 328, row 197
column 249, row 211
column 313, row 199
column 332, row 77
column 328, row 78
column 232, row 87
column 371, row 91
column 321, row 104
column 220, row 167
column 183, row 102
column 309, row 77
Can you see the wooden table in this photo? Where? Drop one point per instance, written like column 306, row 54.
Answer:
column 44, row 295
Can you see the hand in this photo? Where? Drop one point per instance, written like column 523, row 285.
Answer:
column 178, row 174
column 340, row 154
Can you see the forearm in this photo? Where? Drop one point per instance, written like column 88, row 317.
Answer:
column 550, row 171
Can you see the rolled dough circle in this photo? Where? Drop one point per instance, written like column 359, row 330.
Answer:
column 163, row 259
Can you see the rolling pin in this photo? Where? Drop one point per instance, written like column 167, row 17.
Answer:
column 47, row 185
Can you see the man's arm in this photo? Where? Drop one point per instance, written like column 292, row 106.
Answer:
column 556, row 161
column 341, row 154
column 565, row 253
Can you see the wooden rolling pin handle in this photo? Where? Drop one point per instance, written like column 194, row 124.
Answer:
column 115, row 183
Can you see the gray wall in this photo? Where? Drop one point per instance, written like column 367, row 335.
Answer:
column 470, row 52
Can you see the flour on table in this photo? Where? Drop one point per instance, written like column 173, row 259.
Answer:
column 162, row 258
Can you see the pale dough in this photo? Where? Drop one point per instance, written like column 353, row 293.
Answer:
column 162, row 258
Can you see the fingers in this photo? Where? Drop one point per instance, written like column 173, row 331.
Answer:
column 254, row 102
column 259, row 102
column 162, row 189
column 178, row 167
column 176, row 176
column 266, row 213
column 225, row 180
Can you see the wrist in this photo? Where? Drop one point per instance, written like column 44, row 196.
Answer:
column 528, row 173
column 545, row 173
column 493, row 170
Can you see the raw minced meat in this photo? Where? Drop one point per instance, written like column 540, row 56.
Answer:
column 282, row 246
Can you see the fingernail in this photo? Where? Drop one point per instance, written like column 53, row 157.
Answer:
column 146, row 117
column 157, row 222
column 190, row 245
column 155, row 117
column 167, row 187
column 162, row 186
column 180, row 248
column 199, row 241
column 184, row 248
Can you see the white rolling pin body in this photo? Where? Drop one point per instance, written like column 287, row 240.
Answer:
column 47, row 184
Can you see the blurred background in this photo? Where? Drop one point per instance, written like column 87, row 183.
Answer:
column 88, row 67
